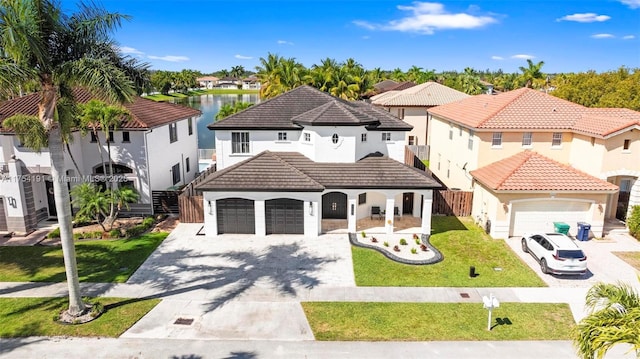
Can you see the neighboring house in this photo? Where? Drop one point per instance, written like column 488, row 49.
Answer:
column 290, row 162
column 208, row 82
column 387, row 86
column 251, row 83
column 155, row 149
column 411, row 105
column 488, row 134
column 230, row 83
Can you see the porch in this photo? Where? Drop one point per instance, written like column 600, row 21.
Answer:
column 403, row 224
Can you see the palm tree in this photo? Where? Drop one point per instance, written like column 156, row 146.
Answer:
column 40, row 43
column 98, row 115
column 531, row 73
column 237, row 71
column 91, row 202
column 614, row 319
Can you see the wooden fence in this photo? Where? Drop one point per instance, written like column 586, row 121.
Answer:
column 191, row 209
column 189, row 189
column 165, row 202
column 452, row 203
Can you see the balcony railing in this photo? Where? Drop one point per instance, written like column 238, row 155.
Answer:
column 206, row 154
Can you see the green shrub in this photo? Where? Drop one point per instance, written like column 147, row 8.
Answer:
column 634, row 222
column 135, row 231
column 114, row 233
column 148, row 222
column 364, row 235
column 54, row 234
column 96, row 234
column 386, row 244
column 414, row 251
column 418, row 241
column 81, row 220
column 77, row 236
column 403, row 241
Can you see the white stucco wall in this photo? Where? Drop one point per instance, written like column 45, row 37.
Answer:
column 451, row 160
column 416, row 117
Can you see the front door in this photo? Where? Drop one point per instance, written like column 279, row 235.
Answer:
column 623, row 199
column 51, row 199
column 334, row 206
column 407, row 203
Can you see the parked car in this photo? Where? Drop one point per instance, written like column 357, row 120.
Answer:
column 556, row 253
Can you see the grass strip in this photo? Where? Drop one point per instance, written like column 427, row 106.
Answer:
column 23, row 317
column 463, row 244
column 352, row 321
column 100, row 261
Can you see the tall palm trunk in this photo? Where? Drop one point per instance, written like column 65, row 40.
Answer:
column 63, row 202
column 112, row 209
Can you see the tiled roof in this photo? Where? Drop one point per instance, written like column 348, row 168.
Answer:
column 424, row 95
column 385, row 85
column 530, row 171
column 307, row 105
column 144, row 113
column 402, row 86
column 292, row 171
column 384, row 95
column 527, row 109
column 207, row 78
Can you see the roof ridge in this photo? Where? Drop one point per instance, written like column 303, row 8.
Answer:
column 522, row 90
column 294, row 168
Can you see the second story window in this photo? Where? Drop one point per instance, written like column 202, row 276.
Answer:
column 307, row 137
column 173, row 132
column 386, row 136
column 187, row 164
column 239, row 142
column 334, row 138
column 526, row 139
column 496, row 140
column 125, row 136
column 401, row 113
column 190, row 124
column 626, row 145
column 282, row 136
column 413, row 140
column 557, row 139
column 363, row 137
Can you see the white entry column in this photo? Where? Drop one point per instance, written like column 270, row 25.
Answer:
column 260, row 213
column 427, row 203
column 352, row 219
column 388, row 216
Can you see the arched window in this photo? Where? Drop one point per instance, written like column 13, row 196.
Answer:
column 334, row 138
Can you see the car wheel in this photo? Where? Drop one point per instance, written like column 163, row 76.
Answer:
column 524, row 246
column 543, row 266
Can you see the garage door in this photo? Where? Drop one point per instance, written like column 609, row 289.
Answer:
column 284, row 216
column 538, row 216
column 236, row 215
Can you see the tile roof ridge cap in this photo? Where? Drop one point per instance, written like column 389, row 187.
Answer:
column 294, row 168
column 522, row 91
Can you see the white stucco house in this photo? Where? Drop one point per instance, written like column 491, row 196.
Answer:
column 290, row 162
column 156, row 148
column 208, row 82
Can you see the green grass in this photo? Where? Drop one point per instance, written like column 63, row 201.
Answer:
column 180, row 95
column 463, row 244
column 22, row 317
column 426, row 163
column 98, row 261
column 351, row 321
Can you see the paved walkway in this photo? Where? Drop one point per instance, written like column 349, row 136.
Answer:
column 245, row 293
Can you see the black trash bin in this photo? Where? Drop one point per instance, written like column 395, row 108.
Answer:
column 583, row 231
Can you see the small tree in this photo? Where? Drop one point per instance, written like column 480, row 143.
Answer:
column 634, row 222
column 91, row 201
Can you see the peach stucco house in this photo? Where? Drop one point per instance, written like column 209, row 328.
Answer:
column 532, row 159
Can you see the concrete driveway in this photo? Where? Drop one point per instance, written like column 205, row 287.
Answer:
column 603, row 265
column 237, row 286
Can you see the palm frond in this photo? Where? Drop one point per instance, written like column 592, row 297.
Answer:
column 29, row 130
column 100, row 77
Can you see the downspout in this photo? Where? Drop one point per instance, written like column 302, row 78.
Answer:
column 146, row 156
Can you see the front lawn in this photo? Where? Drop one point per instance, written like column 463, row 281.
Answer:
column 99, row 261
column 463, row 244
column 23, row 317
column 349, row 321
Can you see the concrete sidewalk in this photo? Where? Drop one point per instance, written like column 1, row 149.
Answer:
column 109, row 348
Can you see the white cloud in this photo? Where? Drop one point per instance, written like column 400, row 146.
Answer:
column 285, row 42
column 634, row 4
column 628, row 37
column 365, row 37
column 130, row 50
column 602, row 36
column 523, row 57
column 170, row 58
column 242, row 57
column 427, row 17
column 586, row 17
column 497, row 58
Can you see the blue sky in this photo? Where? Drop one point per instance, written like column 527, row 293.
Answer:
column 207, row 35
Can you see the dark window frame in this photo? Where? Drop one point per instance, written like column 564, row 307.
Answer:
column 240, row 142
column 126, row 137
column 362, row 198
column 175, row 172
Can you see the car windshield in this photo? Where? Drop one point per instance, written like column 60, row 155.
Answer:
column 576, row 254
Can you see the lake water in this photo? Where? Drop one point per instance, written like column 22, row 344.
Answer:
column 210, row 106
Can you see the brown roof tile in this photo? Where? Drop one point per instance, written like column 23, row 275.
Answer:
column 292, row 171
column 144, row 113
column 530, row 171
column 527, row 109
column 308, row 105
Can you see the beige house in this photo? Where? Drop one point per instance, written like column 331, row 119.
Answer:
column 469, row 136
column 411, row 104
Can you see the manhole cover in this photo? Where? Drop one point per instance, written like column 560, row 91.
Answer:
column 465, row 295
column 183, row 321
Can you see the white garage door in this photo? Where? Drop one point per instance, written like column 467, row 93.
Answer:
column 538, row 216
